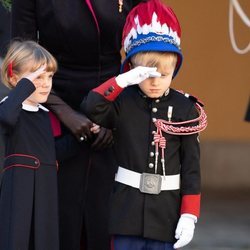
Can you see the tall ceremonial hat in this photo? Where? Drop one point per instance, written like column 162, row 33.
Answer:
column 151, row 26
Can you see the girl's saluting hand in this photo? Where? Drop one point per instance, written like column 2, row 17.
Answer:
column 33, row 75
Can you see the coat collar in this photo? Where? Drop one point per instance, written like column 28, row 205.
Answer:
column 28, row 107
column 31, row 108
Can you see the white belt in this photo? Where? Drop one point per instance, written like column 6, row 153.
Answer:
column 133, row 179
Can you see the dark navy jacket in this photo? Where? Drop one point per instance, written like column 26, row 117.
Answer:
column 28, row 194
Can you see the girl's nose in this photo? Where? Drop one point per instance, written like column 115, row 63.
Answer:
column 46, row 83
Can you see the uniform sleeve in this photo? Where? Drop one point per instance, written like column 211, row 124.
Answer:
column 11, row 107
column 101, row 104
column 190, row 171
column 23, row 19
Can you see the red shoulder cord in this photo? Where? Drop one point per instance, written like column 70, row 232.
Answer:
column 174, row 128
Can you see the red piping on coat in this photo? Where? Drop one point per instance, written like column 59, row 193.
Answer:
column 19, row 165
column 37, row 162
column 22, row 165
column 93, row 14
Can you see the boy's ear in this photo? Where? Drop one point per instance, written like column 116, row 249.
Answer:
column 131, row 65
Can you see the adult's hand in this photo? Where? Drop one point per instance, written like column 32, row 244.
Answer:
column 103, row 139
column 76, row 122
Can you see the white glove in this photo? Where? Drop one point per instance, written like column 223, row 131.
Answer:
column 185, row 230
column 136, row 76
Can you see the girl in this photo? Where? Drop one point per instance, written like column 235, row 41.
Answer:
column 28, row 194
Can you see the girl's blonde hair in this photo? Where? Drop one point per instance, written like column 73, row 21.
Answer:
column 22, row 54
column 152, row 59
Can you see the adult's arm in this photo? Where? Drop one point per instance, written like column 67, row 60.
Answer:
column 76, row 122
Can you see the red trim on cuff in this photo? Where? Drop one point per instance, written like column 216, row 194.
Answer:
column 109, row 89
column 191, row 204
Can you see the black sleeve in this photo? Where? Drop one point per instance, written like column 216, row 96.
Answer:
column 100, row 110
column 11, row 107
column 190, row 160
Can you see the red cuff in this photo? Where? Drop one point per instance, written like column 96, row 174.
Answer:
column 109, row 89
column 191, row 204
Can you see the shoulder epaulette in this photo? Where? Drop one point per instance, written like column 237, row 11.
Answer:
column 194, row 99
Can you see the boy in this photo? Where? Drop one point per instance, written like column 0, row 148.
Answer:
column 156, row 197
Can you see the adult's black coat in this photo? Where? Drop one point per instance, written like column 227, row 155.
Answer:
column 83, row 35
column 85, row 38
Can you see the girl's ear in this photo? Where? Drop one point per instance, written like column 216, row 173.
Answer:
column 13, row 80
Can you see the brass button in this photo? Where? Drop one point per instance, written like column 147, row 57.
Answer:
column 111, row 88
column 152, row 154
column 154, row 110
column 106, row 93
column 154, row 119
column 151, row 165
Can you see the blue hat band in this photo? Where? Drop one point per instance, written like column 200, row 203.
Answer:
column 147, row 43
column 143, row 39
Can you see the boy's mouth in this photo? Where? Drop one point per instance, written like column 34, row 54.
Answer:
column 44, row 93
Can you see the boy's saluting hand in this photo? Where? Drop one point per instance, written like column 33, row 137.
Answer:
column 136, row 76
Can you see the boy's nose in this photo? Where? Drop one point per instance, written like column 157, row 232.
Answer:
column 155, row 81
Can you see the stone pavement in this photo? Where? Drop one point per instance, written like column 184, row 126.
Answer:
column 224, row 222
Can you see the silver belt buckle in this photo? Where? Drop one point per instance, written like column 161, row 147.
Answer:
column 150, row 183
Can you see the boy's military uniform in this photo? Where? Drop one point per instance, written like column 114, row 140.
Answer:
column 132, row 116
column 157, row 189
